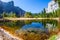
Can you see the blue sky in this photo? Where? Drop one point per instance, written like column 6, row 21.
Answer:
column 33, row 6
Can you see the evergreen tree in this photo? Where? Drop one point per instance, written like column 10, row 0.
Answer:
column 28, row 15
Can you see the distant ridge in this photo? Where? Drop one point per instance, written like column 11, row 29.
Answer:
column 9, row 7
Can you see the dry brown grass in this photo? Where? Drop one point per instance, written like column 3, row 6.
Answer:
column 10, row 30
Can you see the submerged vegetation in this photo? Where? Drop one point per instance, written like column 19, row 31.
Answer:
column 14, row 27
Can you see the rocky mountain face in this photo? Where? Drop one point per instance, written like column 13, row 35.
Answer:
column 9, row 7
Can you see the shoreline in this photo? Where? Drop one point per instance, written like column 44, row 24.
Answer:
column 30, row 18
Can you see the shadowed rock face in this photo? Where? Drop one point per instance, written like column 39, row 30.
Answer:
column 4, row 36
column 9, row 7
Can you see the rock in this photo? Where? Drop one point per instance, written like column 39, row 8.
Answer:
column 9, row 7
column 5, row 36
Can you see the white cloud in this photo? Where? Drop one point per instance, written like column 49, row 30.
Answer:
column 6, row 0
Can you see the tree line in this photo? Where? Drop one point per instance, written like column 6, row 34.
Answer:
column 43, row 14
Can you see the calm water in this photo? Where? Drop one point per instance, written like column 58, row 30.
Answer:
column 31, row 29
column 31, row 24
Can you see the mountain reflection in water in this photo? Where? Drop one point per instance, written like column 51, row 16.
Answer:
column 33, row 25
